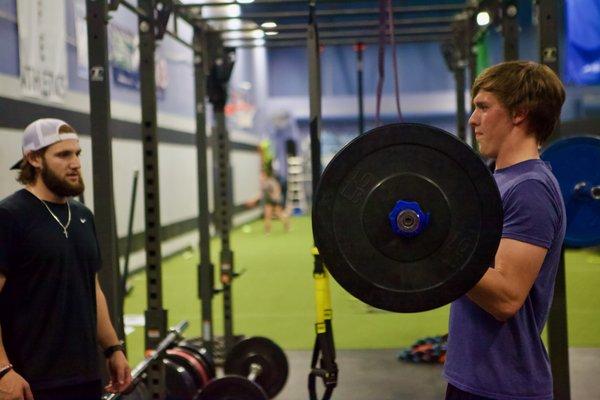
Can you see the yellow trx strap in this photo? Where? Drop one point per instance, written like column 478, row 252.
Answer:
column 324, row 350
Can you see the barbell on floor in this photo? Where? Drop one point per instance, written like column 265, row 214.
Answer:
column 256, row 369
column 187, row 371
column 137, row 388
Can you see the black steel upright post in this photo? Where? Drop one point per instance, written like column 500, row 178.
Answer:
column 360, row 47
column 510, row 30
column 558, row 338
column 548, row 32
column 461, row 108
column 314, row 86
column 462, row 48
column 222, row 148
column 323, row 363
column 104, row 210
column 156, row 316
column 206, row 268
column 221, row 61
column 472, row 68
column 471, row 32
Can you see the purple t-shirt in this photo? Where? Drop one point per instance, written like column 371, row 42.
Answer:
column 507, row 360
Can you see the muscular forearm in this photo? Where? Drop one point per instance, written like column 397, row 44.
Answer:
column 120, row 374
column 504, row 288
column 496, row 295
column 106, row 332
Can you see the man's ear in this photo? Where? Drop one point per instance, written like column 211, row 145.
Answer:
column 519, row 116
column 35, row 159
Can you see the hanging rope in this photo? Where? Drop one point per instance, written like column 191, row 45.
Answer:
column 395, row 59
column 386, row 26
column 380, row 61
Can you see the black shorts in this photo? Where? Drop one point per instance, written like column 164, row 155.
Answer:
column 454, row 393
column 272, row 203
column 83, row 391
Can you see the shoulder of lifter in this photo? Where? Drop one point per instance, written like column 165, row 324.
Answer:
column 538, row 175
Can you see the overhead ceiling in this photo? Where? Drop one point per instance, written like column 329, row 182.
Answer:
column 284, row 22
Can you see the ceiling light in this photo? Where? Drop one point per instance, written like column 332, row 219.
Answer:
column 244, row 43
column 483, row 18
column 257, row 34
column 230, row 10
column 245, row 1
column 271, row 33
column 268, row 25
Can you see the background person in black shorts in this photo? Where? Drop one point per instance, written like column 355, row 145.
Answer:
column 272, row 200
column 271, row 196
column 53, row 314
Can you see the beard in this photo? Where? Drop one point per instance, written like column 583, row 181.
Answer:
column 59, row 186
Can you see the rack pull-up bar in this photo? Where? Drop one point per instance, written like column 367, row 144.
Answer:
column 331, row 26
column 363, row 33
column 330, row 12
column 248, row 43
column 225, row 3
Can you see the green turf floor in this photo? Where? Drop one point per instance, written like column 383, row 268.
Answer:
column 274, row 297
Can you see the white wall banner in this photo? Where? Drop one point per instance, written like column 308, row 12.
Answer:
column 81, row 40
column 42, row 48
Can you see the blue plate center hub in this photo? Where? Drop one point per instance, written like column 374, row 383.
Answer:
column 407, row 219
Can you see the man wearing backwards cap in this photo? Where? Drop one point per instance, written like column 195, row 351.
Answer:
column 53, row 313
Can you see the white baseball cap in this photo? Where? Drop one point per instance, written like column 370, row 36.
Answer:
column 42, row 133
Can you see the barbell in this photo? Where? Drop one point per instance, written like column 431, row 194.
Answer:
column 407, row 217
column 188, row 370
column 137, row 387
column 256, row 369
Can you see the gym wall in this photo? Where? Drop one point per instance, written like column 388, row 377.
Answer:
column 176, row 133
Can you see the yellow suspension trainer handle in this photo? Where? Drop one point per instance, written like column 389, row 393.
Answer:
column 324, row 349
column 322, row 297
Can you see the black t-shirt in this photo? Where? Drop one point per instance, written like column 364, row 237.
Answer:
column 48, row 303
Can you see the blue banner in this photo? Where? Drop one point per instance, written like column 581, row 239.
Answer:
column 583, row 42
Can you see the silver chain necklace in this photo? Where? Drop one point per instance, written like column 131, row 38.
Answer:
column 64, row 227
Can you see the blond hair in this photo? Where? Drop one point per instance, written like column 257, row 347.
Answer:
column 529, row 87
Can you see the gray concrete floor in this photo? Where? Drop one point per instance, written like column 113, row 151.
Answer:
column 377, row 375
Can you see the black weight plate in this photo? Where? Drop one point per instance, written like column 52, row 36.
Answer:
column 232, row 388
column 267, row 354
column 198, row 349
column 184, row 357
column 180, row 381
column 202, row 366
column 416, row 163
column 576, row 161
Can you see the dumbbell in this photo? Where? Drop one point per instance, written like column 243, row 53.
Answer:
column 256, row 369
